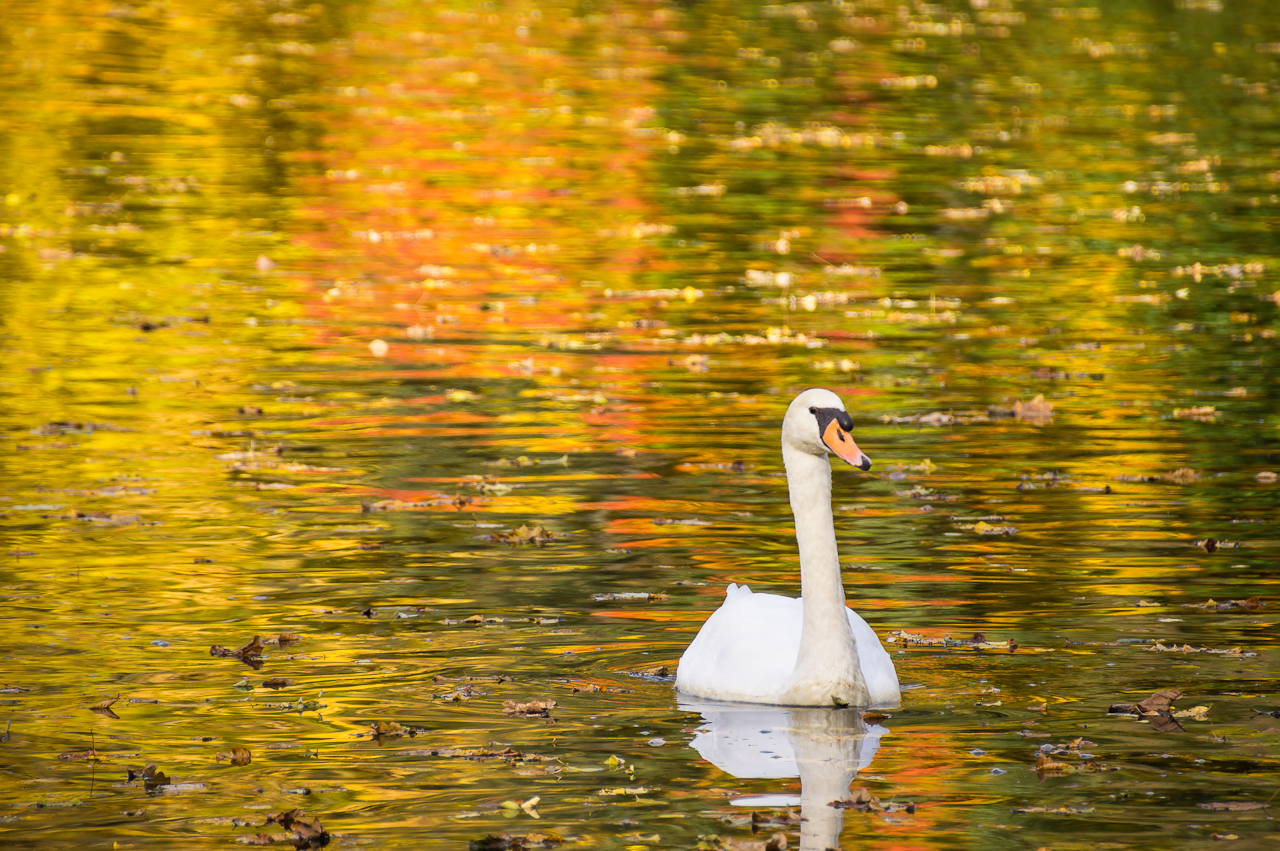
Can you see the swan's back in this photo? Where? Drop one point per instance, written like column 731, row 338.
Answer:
column 747, row 651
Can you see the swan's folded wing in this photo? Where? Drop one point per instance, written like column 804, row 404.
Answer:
column 745, row 651
column 878, row 670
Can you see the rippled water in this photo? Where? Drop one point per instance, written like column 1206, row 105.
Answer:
column 312, row 315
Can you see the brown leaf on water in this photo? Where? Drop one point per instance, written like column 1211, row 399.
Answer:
column 875, row 717
column 633, row 596
column 1036, row 412
column 388, row 728
column 283, row 638
column 258, row 839
column 152, row 777
column 1181, row 476
column 1249, row 604
column 238, row 756
column 1047, row 765
column 105, row 704
column 506, row 842
column 539, row 708
column 863, row 801
column 307, row 834
column 1232, row 806
column 1160, row 701
column 247, row 654
column 535, row 535
column 1209, row 545
column 776, row 842
column 277, row 683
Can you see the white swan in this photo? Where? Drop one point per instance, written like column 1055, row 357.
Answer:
column 812, row 651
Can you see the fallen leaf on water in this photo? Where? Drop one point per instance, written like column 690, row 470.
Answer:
column 105, row 704
column 283, row 638
column 388, row 728
column 1156, row 710
column 1203, row 413
column 875, row 717
column 506, row 842
column 1196, row 713
column 1248, row 604
column 1059, row 811
column 625, row 790
column 529, row 807
column 250, row 654
column 776, row 842
column 307, row 834
column 277, row 682
column 1187, row 648
column 863, row 801
column 238, row 756
column 1233, row 806
column 1037, row 412
column 533, row 708
column 152, row 777
column 1047, row 765
column 536, row 535
column 645, row 596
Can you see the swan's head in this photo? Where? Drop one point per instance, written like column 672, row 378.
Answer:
column 817, row 423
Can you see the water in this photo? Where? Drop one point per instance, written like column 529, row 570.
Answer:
column 306, row 308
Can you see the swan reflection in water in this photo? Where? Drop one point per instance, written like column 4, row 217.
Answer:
column 825, row 748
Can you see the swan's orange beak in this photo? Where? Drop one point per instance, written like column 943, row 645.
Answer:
column 841, row 443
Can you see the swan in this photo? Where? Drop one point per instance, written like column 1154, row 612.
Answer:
column 811, row 651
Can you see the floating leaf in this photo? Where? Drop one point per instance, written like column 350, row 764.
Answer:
column 277, row 683
column 505, row 842
column 1047, row 765
column 863, row 801
column 238, row 756
column 645, row 596
column 152, row 777
column 540, row 708
column 250, row 654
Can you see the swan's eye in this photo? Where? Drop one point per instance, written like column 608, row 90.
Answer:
column 814, row 411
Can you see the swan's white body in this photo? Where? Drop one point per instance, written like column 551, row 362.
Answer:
column 812, row 651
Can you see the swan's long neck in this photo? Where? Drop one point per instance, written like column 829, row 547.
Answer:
column 828, row 658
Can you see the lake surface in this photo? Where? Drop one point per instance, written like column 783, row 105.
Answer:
column 451, row 342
